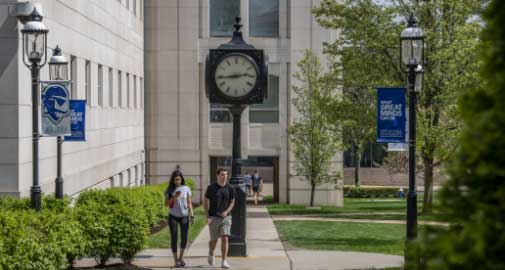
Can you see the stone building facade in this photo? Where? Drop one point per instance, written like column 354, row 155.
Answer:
column 104, row 44
column 140, row 65
column 182, row 128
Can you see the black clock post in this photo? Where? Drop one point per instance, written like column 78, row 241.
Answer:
column 236, row 74
column 238, row 246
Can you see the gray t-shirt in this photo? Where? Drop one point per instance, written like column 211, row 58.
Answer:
column 180, row 208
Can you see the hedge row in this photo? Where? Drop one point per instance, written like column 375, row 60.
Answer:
column 370, row 192
column 103, row 224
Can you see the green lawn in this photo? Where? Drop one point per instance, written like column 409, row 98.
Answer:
column 161, row 239
column 344, row 236
column 393, row 209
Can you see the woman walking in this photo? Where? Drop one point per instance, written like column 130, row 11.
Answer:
column 178, row 199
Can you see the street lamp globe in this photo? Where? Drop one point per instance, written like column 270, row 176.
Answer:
column 34, row 39
column 412, row 44
column 58, row 66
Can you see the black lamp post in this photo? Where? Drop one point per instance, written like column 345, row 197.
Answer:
column 34, row 48
column 412, row 58
column 58, row 70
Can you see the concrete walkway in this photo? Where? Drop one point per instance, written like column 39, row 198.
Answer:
column 314, row 218
column 265, row 252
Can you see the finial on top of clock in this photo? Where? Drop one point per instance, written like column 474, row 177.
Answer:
column 237, row 24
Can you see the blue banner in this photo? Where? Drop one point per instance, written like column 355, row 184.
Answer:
column 391, row 118
column 77, row 121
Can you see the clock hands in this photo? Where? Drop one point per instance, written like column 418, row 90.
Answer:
column 235, row 75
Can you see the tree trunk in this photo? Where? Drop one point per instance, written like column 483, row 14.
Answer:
column 428, row 184
column 312, row 191
column 357, row 161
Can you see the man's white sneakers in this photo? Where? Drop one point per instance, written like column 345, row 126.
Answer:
column 210, row 259
column 225, row 264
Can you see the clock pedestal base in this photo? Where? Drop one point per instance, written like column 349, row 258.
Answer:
column 239, row 213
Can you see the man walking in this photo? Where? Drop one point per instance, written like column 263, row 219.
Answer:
column 218, row 203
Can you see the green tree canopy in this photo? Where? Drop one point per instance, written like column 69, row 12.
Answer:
column 368, row 47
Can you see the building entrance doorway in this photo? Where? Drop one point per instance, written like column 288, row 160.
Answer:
column 267, row 167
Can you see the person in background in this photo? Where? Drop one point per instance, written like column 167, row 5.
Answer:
column 247, row 181
column 178, row 199
column 257, row 183
column 218, row 202
column 401, row 193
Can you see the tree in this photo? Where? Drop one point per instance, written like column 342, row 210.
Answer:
column 474, row 196
column 368, row 46
column 312, row 140
column 353, row 113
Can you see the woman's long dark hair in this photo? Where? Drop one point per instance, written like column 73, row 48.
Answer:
column 171, row 183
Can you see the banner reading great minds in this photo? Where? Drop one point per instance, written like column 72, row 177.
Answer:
column 391, row 115
column 77, row 120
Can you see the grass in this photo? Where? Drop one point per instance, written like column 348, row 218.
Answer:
column 343, row 236
column 161, row 239
column 393, row 209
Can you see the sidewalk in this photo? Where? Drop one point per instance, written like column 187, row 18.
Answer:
column 265, row 251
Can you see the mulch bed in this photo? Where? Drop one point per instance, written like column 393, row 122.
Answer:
column 161, row 225
column 115, row 266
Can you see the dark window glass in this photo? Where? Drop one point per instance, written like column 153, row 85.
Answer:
column 264, row 18
column 219, row 114
column 222, row 17
column 268, row 112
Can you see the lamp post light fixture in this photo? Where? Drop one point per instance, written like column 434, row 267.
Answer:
column 34, row 49
column 58, row 70
column 412, row 59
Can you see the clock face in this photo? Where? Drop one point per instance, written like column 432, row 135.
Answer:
column 236, row 75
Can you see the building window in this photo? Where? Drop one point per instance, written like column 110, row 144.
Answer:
column 268, row 112
column 135, row 104
column 127, row 90
column 135, row 7
column 87, row 81
column 119, row 90
column 219, row 114
column 264, row 18
column 141, row 9
column 111, row 89
column 128, row 4
column 100, row 85
column 141, row 93
column 222, row 17
column 288, row 19
column 73, row 77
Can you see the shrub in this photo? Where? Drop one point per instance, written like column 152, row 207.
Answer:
column 190, row 182
column 30, row 240
column 370, row 192
column 103, row 224
column 154, row 203
column 96, row 222
column 129, row 232
column 11, row 203
column 116, row 221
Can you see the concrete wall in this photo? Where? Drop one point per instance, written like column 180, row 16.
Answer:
column 104, row 33
column 306, row 34
column 9, row 110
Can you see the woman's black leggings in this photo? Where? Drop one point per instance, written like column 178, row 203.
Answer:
column 184, row 223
